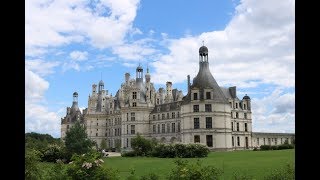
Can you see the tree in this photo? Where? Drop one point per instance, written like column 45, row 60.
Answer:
column 103, row 144
column 141, row 145
column 76, row 140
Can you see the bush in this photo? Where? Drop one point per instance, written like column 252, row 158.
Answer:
column 141, row 145
column 286, row 172
column 129, row 154
column 88, row 166
column 255, row 149
column 274, row 147
column 265, row 147
column 285, row 146
column 184, row 171
column 32, row 169
column 52, row 153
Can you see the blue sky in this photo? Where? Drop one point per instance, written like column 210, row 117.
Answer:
column 72, row 44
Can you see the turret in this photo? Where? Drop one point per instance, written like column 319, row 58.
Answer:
column 247, row 101
column 127, row 78
column 94, row 89
column 101, row 86
column 139, row 76
column 169, row 97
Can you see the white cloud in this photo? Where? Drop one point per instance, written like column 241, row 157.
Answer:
column 38, row 118
column 55, row 23
column 256, row 47
column 137, row 50
column 78, row 55
column 41, row 67
column 274, row 113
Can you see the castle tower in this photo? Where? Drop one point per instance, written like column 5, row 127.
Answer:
column 139, row 76
column 101, row 86
column 127, row 78
column 94, row 89
column 74, row 106
column 148, row 86
column 246, row 102
column 169, row 97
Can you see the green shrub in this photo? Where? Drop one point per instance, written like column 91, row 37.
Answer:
column 52, row 153
column 129, row 154
column 88, row 166
column 32, row 169
column 265, row 147
column 255, row 149
column 241, row 175
column 274, row 147
column 57, row 172
column 284, row 173
column 185, row 171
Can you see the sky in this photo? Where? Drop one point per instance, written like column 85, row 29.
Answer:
column 70, row 45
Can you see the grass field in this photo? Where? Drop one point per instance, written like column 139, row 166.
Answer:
column 256, row 164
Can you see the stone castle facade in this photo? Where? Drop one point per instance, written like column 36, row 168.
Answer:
column 208, row 114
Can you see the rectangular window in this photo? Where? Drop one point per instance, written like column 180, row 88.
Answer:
column 133, row 118
column 96, row 134
column 195, row 96
column 281, row 140
column 195, row 108
column 158, row 101
column 237, row 115
column 276, row 141
column 162, row 116
column 173, row 115
column 244, row 106
column 208, row 108
column 167, row 115
column 178, row 114
column 133, row 129
column 158, row 116
column 168, row 127
column 245, row 127
column 231, row 104
column 232, row 141
column 173, row 128
column 258, row 141
column 264, row 141
column 163, row 128
column 127, row 129
column 154, row 128
column 134, row 95
column 231, row 114
column 237, row 126
column 179, row 127
column 236, row 105
column 238, row 139
column 208, row 122
column 154, row 117
column 269, row 141
column 209, row 140
column 245, row 115
column 158, row 128
column 196, row 123
column 231, row 126
column 127, row 142
column 208, row 94
column 196, row 139
column 134, row 104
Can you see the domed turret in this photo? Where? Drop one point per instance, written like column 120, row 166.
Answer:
column 246, row 97
column 101, row 85
column 204, row 78
column 203, row 50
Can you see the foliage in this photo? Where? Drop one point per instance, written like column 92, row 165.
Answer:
column 129, row 154
column 279, row 147
column 132, row 175
column 185, row 171
column 286, row 173
column 53, row 152
column 140, row 145
column 76, row 140
column 255, row 149
column 40, row 141
column 32, row 169
column 88, row 166
column 58, row 171
column 180, row 150
column 103, row 144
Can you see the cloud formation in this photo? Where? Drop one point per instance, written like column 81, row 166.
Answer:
column 79, row 56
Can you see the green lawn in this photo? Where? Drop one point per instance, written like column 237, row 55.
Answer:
column 254, row 163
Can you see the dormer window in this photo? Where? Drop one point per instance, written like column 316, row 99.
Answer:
column 195, row 96
column 208, row 95
column 134, row 95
